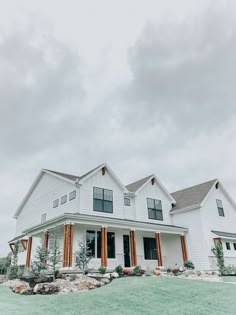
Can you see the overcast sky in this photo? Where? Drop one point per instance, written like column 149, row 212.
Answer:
column 146, row 86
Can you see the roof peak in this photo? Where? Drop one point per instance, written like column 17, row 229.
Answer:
column 190, row 187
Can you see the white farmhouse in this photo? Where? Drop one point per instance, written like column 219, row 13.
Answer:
column 138, row 224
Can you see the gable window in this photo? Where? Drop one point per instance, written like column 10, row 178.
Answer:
column 72, row 195
column 43, row 218
column 220, row 207
column 90, row 240
column 227, row 245
column 111, row 250
column 154, row 209
column 150, row 251
column 127, row 201
column 63, row 199
column 234, row 246
column 102, row 200
column 56, row 203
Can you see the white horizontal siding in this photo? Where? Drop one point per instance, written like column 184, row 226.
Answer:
column 40, row 201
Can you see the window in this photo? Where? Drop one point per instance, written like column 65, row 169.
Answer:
column 234, row 246
column 150, row 251
column 55, row 203
column 102, row 200
column 90, row 240
column 227, row 245
column 220, row 208
column 154, row 209
column 43, row 218
column 72, row 195
column 63, row 199
column 127, row 202
column 111, row 250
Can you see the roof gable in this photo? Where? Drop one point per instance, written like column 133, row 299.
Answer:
column 192, row 196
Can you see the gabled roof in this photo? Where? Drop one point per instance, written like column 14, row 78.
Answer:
column 192, row 196
column 133, row 187
column 67, row 176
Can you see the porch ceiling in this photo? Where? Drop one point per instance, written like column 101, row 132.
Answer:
column 76, row 218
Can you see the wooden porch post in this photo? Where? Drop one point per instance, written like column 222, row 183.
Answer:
column 68, row 245
column 133, row 248
column 45, row 243
column 104, row 247
column 29, row 249
column 158, row 248
column 184, row 248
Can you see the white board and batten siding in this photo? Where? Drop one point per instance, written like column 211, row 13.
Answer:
column 41, row 200
column 211, row 221
column 153, row 192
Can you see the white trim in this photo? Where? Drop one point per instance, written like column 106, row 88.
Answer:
column 185, row 209
column 160, row 184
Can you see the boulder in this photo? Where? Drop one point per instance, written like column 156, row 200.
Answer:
column 115, row 275
column 20, row 286
column 156, row 272
column 11, row 283
column 28, row 291
column 46, row 288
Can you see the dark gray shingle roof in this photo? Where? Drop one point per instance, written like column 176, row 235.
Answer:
column 192, row 196
column 133, row 187
column 224, row 234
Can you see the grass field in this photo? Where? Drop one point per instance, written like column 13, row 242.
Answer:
column 146, row 295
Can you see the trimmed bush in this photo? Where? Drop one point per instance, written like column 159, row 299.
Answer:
column 102, row 270
column 189, row 264
column 119, row 269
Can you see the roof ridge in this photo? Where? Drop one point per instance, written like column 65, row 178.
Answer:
column 190, row 187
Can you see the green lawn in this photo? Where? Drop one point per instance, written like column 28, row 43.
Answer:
column 146, row 295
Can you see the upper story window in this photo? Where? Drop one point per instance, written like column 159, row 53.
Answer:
column 154, row 209
column 228, row 246
column 102, row 200
column 43, row 218
column 220, row 207
column 63, row 199
column 234, row 246
column 55, row 203
column 127, row 201
column 72, row 195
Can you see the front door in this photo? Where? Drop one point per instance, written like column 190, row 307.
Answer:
column 126, row 250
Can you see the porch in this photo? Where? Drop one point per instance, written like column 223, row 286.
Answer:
column 115, row 242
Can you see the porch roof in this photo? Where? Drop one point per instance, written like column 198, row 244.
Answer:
column 77, row 218
column 225, row 234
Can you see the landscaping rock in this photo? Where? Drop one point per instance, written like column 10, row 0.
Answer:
column 20, row 286
column 28, row 291
column 11, row 283
column 115, row 275
column 46, row 288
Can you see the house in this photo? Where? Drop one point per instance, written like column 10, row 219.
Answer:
column 138, row 224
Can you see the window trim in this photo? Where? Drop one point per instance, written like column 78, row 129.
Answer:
column 64, row 196
column 154, row 209
column 96, row 243
column 103, row 190
column 55, row 203
column 228, row 245
column 73, row 196
column 129, row 203
column 154, row 257
column 220, row 208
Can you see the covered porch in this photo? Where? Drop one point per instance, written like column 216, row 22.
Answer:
column 112, row 242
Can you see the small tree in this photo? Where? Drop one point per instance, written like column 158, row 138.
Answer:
column 83, row 256
column 219, row 254
column 54, row 257
column 5, row 264
column 40, row 260
column 13, row 269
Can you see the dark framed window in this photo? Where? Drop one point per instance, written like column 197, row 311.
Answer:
column 228, row 246
column 150, row 251
column 102, row 200
column 43, row 218
column 127, row 201
column 111, row 247
column 234, row 246
column 56, row 203
column 63, row 199
column 72, row 195
column 220, row 207
column 90, row 240
column 154, row 209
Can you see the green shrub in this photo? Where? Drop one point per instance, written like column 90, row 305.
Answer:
column 102, row 270
column 119, row 269
column 148, row 274
column 219, row 254
column 189, row 264
column 137, row 270
column 168, row 270
column 229, row 270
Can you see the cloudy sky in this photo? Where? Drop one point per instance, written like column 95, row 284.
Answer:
column 146, row 86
